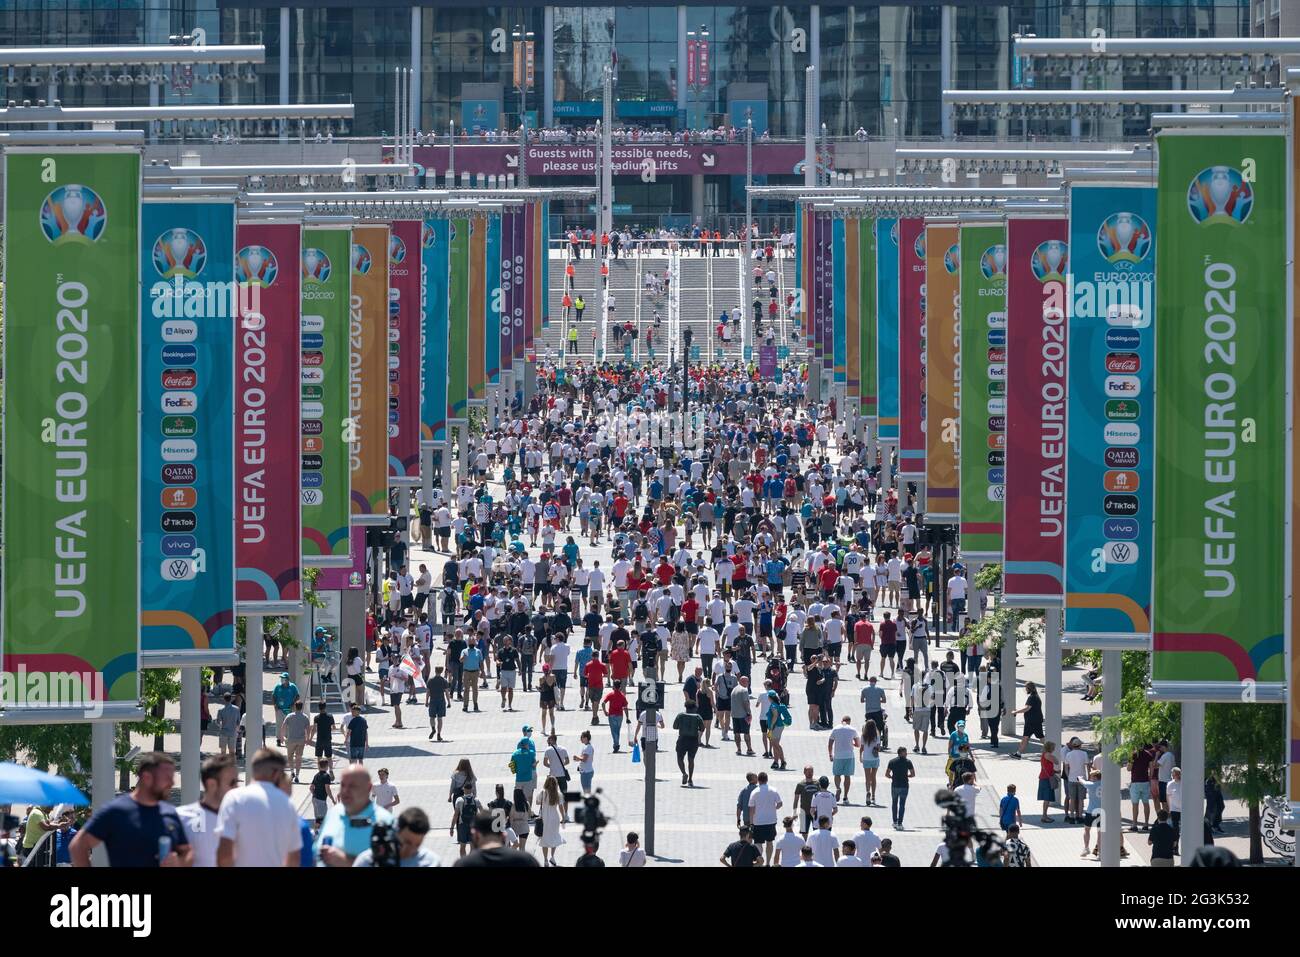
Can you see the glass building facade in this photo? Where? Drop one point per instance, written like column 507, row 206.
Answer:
column 881, row 66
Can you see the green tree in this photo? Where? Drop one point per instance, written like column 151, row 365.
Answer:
column 1245, row 744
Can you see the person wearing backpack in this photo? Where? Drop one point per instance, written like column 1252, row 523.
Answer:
column 462, row 817
column 778, row 719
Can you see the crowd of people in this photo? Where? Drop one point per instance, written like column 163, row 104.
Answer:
column 589, row 549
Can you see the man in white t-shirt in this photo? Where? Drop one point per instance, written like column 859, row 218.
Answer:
column 840, row 749
column 866, row 842
column 825, row 846
column 849, row 855
column 384, row 794
column 764, row 802
column 256, row 824
column 957, row 591
column 789, row 847
column 217, row 777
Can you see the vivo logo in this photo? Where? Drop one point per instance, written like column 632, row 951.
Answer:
column 174, row 546
column 312, row 479
column 997, row 476
column 1120, row 528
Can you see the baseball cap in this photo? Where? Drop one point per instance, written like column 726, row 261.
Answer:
column 284, row 674
column 961, row 724
column 528, row 729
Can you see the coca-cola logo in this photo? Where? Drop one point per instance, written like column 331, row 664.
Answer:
column 313, row 358
column 179, row 379
column 1121, row 458
column 1123, row 362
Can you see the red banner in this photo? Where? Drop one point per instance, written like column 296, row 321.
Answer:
column 690, row 62
column 911, row 357
column 1034, row 523
column 702, row 68
column 404, row 368
column 268, row 413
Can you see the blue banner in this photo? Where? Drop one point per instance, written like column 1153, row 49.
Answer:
column 187, row 530
column 839, row 315
column 887, row 328
column 492, row 289
column 435, row 265
column 1110, row 417
column 480, row 115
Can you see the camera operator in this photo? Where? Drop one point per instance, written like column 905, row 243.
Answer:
column 488, row 837
column 403, row 849
column 964, row 844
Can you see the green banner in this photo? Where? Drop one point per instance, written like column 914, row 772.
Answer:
column 1221, row 367
column 867, row 318
column 983, row 380
column 458, row 323
column 326, row 366
column 71, row 633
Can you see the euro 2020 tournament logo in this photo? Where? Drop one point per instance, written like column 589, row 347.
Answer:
column 316, row 266
column 428, row 236
column 1049, row 261
column 396, row 250
column 73, row 214
column 361, row 260
column 1124, row 238
column 893, row 232
column 256, row 265
column 1219, row 194
column 993, row 263
column 179, row 252
column 951, row 259
column 918, row 247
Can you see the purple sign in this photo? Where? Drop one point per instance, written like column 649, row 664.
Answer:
column 767, row 362
column 347, row 579
column 579, row 159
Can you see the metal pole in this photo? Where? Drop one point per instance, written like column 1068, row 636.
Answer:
column 747, row 324
column 1192, row 763
column 809, row 127
column 102, row 750
column 253, row 720
column 1112, row 815
column 523, row 125
column 1008, row 674
column 1052, row 664
column 945, row 67
column 284, row 69
column 191, row 741
column 651, row 747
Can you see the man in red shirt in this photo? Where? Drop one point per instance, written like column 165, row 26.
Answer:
column 620, row 662
column 864, row 637
column 615, row 706
column 620, row 507
column 665, row 572
column 888, row 644
column 827, row 578
column 595, row 672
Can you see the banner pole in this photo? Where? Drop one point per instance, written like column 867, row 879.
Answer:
column 1052, row 685
column 101, row 763
column 1192, row 763
column 1112, row 816
column 191, row 733
column 253, row 723
column 1008, row 673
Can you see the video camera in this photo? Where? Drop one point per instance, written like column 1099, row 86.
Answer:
column 960, row 832
column 385, row 849
column 589, row 815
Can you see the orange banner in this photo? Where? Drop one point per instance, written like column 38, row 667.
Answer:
column 942, row 382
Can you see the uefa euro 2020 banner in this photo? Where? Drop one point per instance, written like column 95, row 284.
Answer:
column 326, row 364
column 911, row 355
column 1033, row 537
column 71, row 636
column 1110, row 417
column 187, row 431
column 942, row 372
column 268, row 360
column 368, row 386
column 868, row 384
column 1221, row 437
column 434, row 268
column 886, row 317
column 404, row 294
column 983, row 388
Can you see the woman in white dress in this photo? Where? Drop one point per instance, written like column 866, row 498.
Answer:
column 549, row 805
